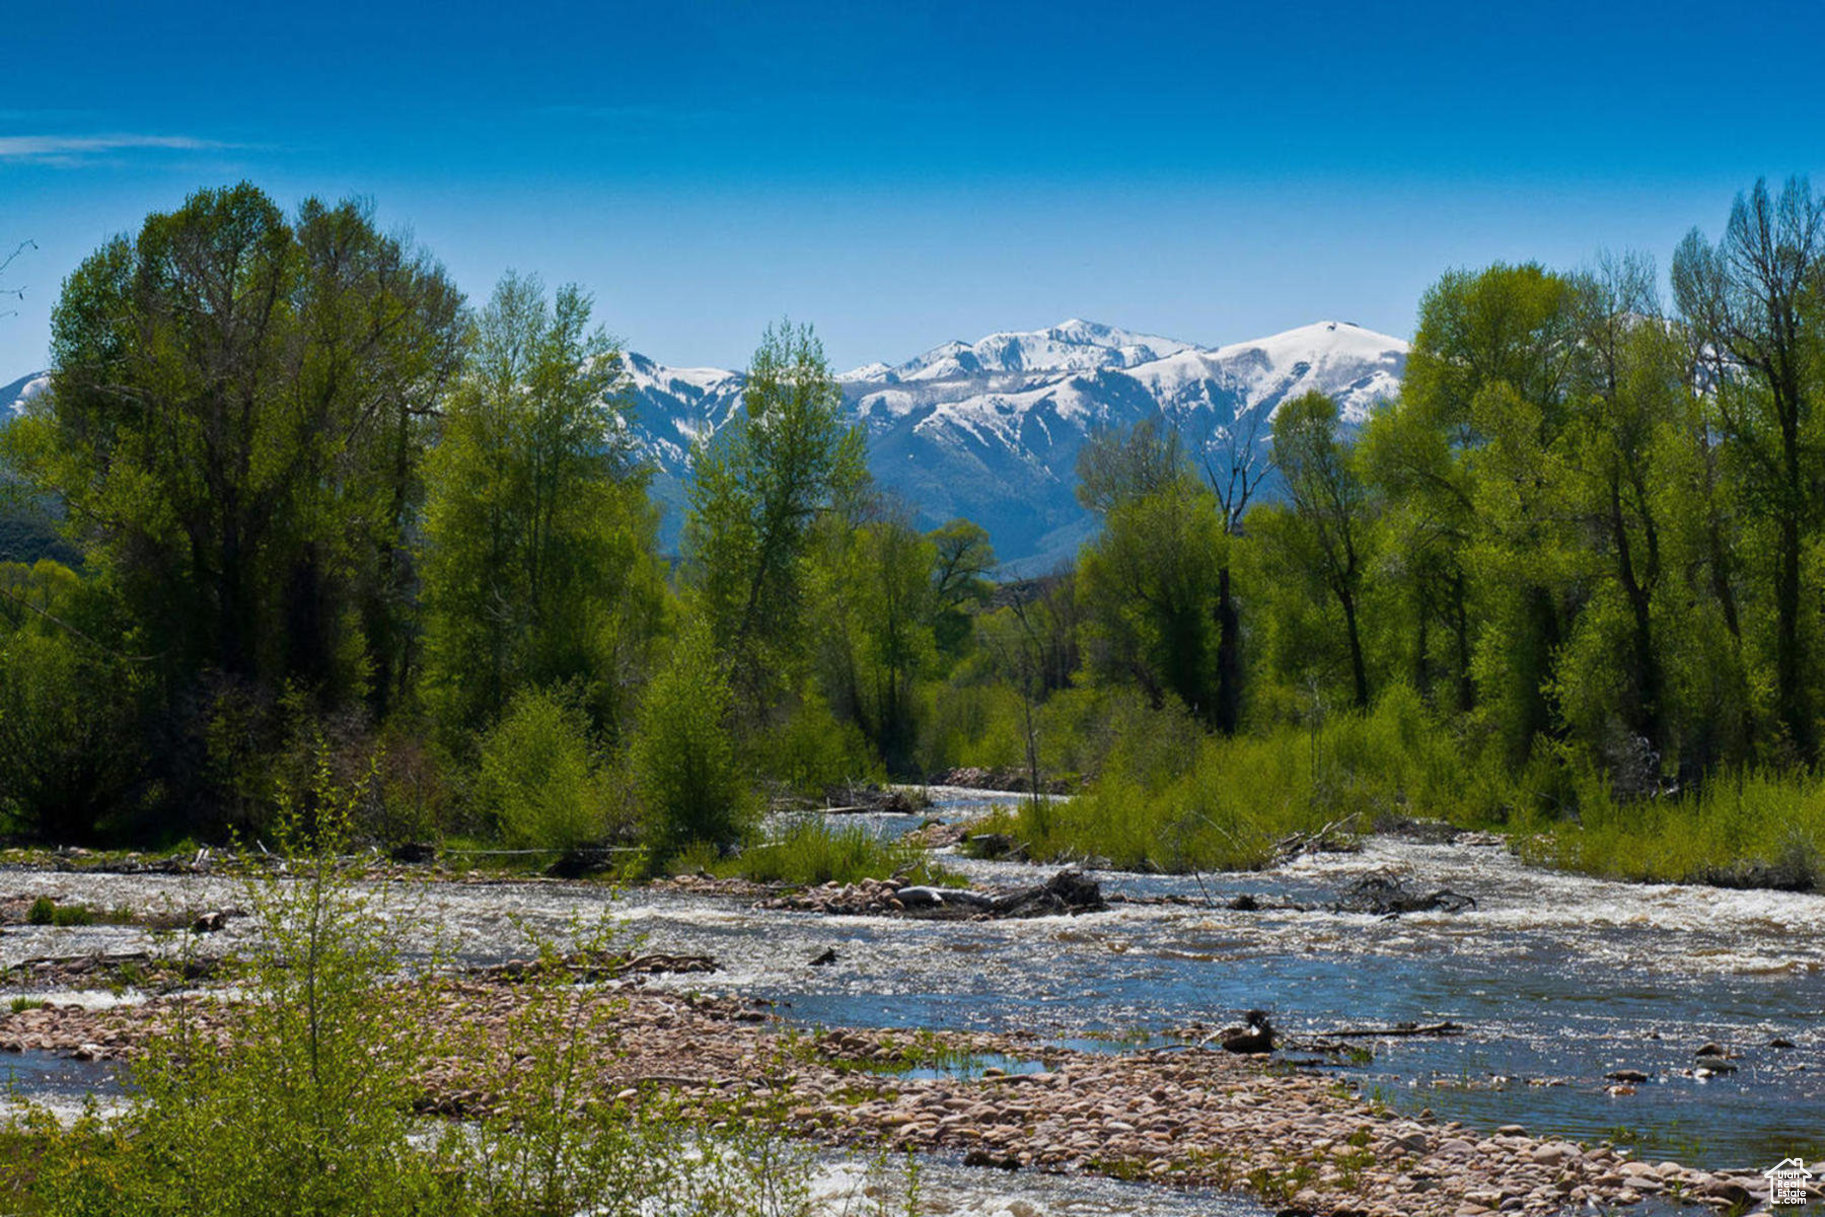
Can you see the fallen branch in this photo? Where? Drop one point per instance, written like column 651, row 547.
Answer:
column 1401, row 1029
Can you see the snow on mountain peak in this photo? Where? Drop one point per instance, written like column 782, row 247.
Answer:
column 990, row 429
column 1073, row 345
column 13, row 397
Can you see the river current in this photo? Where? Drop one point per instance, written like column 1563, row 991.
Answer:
column 1557, row 980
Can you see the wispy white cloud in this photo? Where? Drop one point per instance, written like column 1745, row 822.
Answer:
column 73, row 150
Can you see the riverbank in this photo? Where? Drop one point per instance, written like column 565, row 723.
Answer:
column 1558, row 980
column 1183, row 1117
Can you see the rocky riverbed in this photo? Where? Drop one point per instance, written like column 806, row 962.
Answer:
column 1581, row 1007
column 1189, row 1117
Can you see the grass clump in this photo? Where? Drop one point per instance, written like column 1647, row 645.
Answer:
column 1743, row 829
column 809, row 850
column 46, row 911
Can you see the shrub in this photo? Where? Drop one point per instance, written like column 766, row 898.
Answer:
column 811, row 750
column 537, row 782
column 73, row 914
column 972, row 724
column 42, row 912
column 812, row 851
column 683, row 757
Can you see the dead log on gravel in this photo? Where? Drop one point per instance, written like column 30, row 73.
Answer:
column 584, row 967
column 1399, row 1029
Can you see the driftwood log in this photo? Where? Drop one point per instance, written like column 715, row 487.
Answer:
column 588, row 967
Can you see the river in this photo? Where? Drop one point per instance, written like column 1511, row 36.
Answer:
column 1558, row 980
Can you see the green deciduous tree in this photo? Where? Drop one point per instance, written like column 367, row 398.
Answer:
column 758, row 488
column 538, row 542
column 1757, row 301
column 877, row 591
column 237, row 407
column 1149, row 583
column 964, row 559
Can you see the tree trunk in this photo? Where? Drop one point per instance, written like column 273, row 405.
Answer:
column 1359, row 673
column 1229, row 657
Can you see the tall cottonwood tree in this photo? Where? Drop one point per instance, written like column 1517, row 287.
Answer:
column 758, row 487
column 1757, row 301
column 238, row 407
column 539, row 564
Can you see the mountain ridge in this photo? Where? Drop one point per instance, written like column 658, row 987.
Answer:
column 990, row 429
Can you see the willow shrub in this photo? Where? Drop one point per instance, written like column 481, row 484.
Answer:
column 1746, row 828
column 539, row 783
column 1167, row 796
column 297, row 1100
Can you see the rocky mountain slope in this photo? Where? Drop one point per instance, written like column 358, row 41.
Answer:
column 991, row 429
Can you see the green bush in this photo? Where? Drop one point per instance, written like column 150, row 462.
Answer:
column 1168, row 797
column 1740, row 829
column 42, row 912
column 538, row 783
column 812, row 851
column 812, row 750
column 683, row 757
column 972, row 724
column 302, row 1106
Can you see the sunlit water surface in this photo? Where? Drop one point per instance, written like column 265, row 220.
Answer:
column 1558, row 979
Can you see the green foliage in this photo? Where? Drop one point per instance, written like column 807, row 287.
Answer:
column 233, row 425
column 1741, row 829
column 1238, row 797
column 758, row 488
column 684, row 760
column 875, row 640
column 42, row 912
column 538, row 545
column 810, row 750
column 70, row 757
column 538, row 783
column 963, row 561
column 976, row 724
column 811, row 851
column 1330, row 525
column 1149, row 584
column 1225, row 811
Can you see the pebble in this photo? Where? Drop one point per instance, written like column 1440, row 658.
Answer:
column 1198, row 1117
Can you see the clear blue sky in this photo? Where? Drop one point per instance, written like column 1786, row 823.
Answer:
column 903, row 175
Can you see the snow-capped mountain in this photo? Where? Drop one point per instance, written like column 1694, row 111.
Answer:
column 14, row 396
column 991, row 429
column 1071, row 346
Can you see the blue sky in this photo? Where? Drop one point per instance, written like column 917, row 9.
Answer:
column 901, row 175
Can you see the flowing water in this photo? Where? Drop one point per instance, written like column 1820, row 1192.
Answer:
column 1557, row 979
